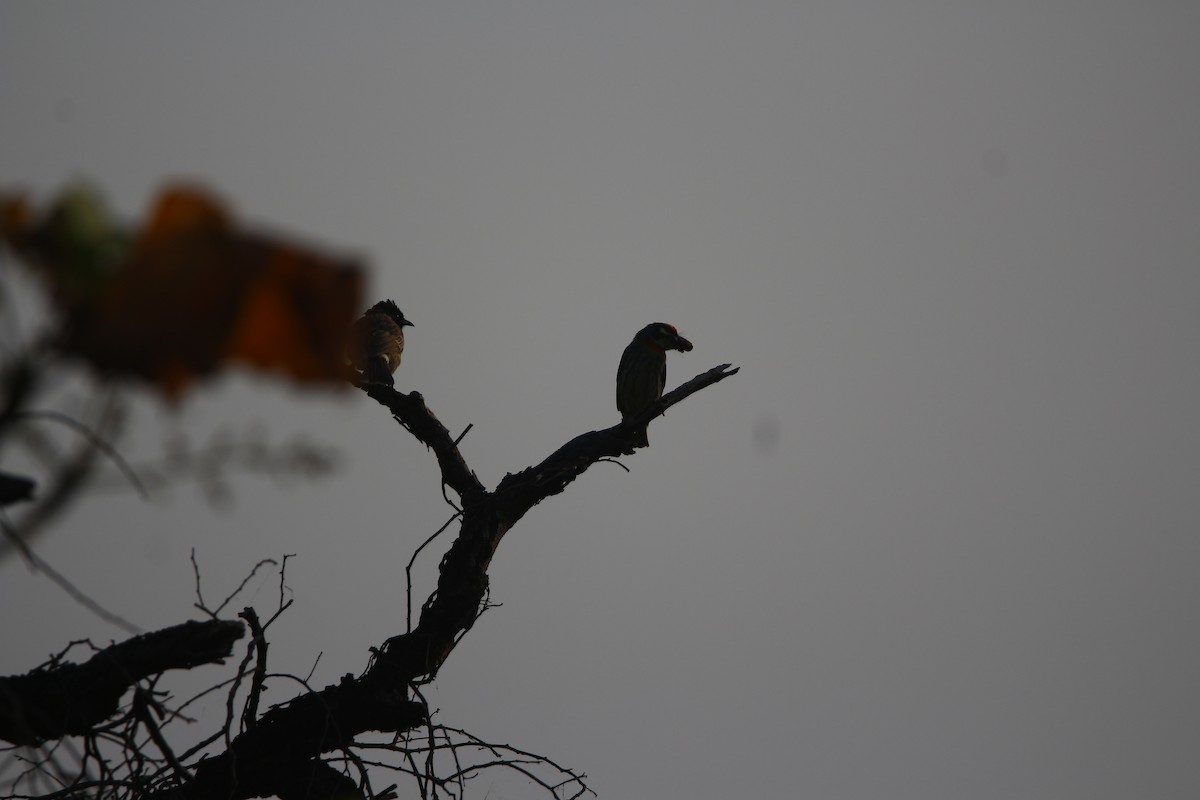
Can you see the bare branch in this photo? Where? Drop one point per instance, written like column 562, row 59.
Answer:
column 517, row 493
column 95, row 439
column 463, row 581
column 411, row 410
column 66, row 483
column 253, row 571
column 74, row 698
column 143, row 707
column 289, row 739
column 38, row 564
column 408, row 567
column 259, row 640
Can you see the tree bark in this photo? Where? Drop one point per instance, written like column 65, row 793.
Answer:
column 67, row 699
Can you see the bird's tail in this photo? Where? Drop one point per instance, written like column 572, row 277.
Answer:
column 641, row 438
column 377, row 371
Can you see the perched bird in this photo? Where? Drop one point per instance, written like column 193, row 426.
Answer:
column 643, row 370
column 377, row 342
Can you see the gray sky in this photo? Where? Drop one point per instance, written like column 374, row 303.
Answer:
column 937, row 540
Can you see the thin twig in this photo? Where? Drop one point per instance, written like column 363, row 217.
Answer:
column 199, row 597
column 283, row 589
column 413, row 560
column 95, row 439
column 39, row 564
column 463, row 435
column 259, row 642
column 245, row 580
column 142, row 705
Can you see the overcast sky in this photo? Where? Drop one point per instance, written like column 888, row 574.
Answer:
column 938, row 539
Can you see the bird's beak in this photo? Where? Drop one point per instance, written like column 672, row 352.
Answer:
column 682, row 344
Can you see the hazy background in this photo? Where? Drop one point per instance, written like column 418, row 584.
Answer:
column 939, row 538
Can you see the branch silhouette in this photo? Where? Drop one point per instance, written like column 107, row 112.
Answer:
column 279, row 754
column 487, row 516
column 65, row 699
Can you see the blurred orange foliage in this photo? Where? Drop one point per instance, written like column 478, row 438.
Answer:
column 186, row 293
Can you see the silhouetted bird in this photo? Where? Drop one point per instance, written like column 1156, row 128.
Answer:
column 378, row 341
column 643, row 371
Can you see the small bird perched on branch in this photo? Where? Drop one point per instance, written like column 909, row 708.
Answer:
column 377, row 342
column 642, row 373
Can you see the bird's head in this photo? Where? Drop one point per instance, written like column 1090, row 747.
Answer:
column 664, row 337
column 391, row 310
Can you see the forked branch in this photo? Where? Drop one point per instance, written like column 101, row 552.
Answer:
column 269, row 757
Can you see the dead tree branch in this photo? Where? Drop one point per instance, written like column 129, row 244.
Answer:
column 67, row 699
column 278, row 754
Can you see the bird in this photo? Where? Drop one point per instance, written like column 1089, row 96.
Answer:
column 377, row 339
column 643, row 371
